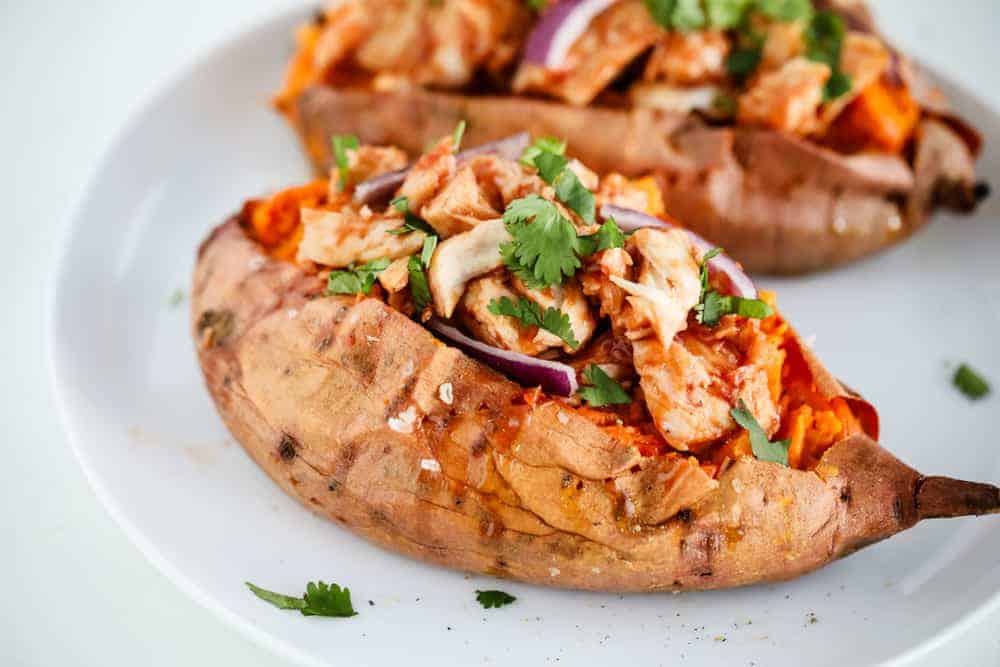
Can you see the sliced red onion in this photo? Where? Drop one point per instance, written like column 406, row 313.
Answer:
column 552, row 376
column 629, row 220
column 381, row 188
column 559, row 26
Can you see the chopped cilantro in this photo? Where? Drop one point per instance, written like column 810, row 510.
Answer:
column 419, row 289
column 491, row 599
column 763, row 449
column 456, row 137
column 683, row 15
column 743, row 61
column 542, row 252
column 824, row 40
column 411, row 223
column 571, row 192
column 176, row 298
column 341, row 143
column 319, row 599
column 430, row 243
column 530, row 313
column 712, row 305
column 970, row 383
column 786, row 10
column 726, row 14
column 542, row 144
column 608, row 236
column 603, row 390
column 838, row 84
column 356, row 280
column 547, row 156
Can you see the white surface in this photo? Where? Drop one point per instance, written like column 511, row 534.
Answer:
column 80, row 594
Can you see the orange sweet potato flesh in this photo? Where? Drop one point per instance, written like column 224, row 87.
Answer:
column 882, row 118
column 552, row 499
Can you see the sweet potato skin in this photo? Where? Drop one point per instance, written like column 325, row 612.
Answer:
column 308, row 385
column 827, row 209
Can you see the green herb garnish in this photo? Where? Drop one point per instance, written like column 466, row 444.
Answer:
column 319, row 599
column 682, row 15
column 726, row 14
column 356, row 280
column 176, row 298
column 608, row 236
column 742, row 62
column 824, row 41
column 786, row 10
column 553, row 167
column 542, row 251
column 530, row 313
column 411, row 222
column 603, row 390
column 763, row 448
column 419, row 289
column 491, row 599
column 456, row 137
column 341, row 143
column 542, row 144
column 712, row 305
column 970, row 383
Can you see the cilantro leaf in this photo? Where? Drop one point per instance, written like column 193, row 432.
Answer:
column 427, row 252
column 786, row 10
column 491, row 599
column 726, row 14
column 763, row 449
column 419, row 289
column 550, row 165
column 541, row 252
column 356, row 280
column 341, row 143
column 824, row 38
column 970, row 383
column 411, row 223
column 546, row 144
column 683, row 15
column 571, row 192
column 530, row 313
column 456, row 137
column 838, row 84
column 604, row 390
column 712, row 305
column 608, row 236
column 742, row 62
column 320, row 599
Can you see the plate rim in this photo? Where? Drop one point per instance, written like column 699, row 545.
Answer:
column 155, row 92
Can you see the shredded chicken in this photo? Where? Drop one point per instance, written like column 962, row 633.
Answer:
column 786, row 99
column 689, row 58
column 396, row 276
column 498, row 330
column 461, row 258
column 503, row 181
column 367, row 162
column 340, row 238
column 459, row 206
column 429, row 175
column 783, row 41
column 347, row 24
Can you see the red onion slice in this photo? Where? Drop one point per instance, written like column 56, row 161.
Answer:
column 552, row 376
column 629, row 220
column 382, row 187
column 559, row 26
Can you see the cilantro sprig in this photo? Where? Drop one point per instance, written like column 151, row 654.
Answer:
column 542, row 144
column 712, row 305
column 603, row 390
column 548, row 156
column 608, row 236
column 763, row 448
column 411, row 222
column 320, row 599
column 543, row 245
column 970, row 383
column 341, row 144
column 824, row 42
column 530, row 313
column 356, row 279
column 456, row 136
column 492, row 599
column 416, row 266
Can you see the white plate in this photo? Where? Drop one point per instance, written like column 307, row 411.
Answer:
column 146, row 433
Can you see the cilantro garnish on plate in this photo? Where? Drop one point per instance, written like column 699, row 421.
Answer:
column 320, row 599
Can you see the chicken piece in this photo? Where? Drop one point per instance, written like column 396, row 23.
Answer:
column 502, row 181
column 596, row 282
column 367, row 162
column 678, row 99
column 429, row 175
column 689, row 58
column 399, row 39
column 465, row 32
column 498, row 330
column 568, row 299
column 668, row 286
column 783, row 41
column 786, row 99
column 396, row 276
column 587, row 177
column 461, row 258
column 340, row 238
column 613, row 40
column 346, row 25
column 459, row 206
column 863, row 58
column 617, row 190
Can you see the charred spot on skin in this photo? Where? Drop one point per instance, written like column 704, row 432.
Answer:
column 685, row 515
column 227, row 382
column 706, row 573
column 287, row 447
column 319, row 18
column 677, row 584
column 214, row 326
column 897, row 509
column 981, row 191
column 333, row 486
column 479, row 445
column 315, row 501
column 567, row 480
column 323, row 343
column 845, row 495
column 501, row 563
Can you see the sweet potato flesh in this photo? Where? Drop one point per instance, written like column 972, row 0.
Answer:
column 882, row 118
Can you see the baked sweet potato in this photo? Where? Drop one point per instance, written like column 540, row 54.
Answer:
column 353, row 407
column 789, row 184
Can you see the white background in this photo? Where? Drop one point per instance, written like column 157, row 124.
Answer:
column 74, row 590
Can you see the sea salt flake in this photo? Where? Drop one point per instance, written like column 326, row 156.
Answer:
column 430, row 464
column 554, row 572
column 446, row 393
column 562, row 417
column 404, row 421
column 256, row 263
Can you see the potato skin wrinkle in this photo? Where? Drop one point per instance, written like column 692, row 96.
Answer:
column 310, row 399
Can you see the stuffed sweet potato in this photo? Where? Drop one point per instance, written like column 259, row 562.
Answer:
column 513, row 367
column 792, row 135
